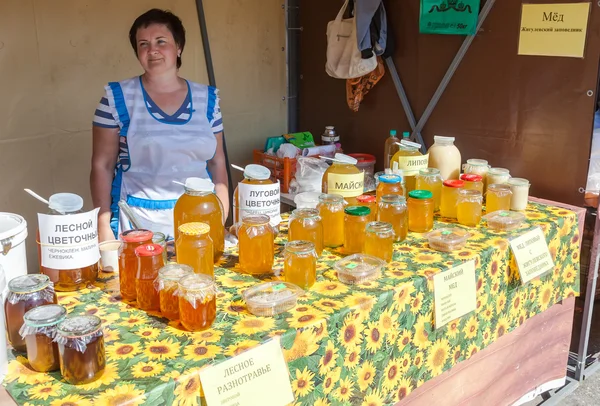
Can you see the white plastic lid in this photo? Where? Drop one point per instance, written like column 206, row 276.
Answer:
column 410, row 144
column 11, row 225
column 199, row 185
column 65, row 202
column 441, row 138
column 257, row 172
column 346, row 159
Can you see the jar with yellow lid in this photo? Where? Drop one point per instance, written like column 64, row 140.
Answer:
column 306, row 225
column 369, row 201
column 300, row 263
column 472, row 182
column 356, row 220
column 256, row 244
column 450, row 190
column 420, row 211
column 379, row 240
column 344, row 178
column 469, row 206
column 167, row 284
column 498, row 197
column 389, row 184
column 195, row 248
column 331, row 210
column 393, row 210
column 430, row 179
column 197, row 302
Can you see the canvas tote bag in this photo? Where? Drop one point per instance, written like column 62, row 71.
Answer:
column 344, row 60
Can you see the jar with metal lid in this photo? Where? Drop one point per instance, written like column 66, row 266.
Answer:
column 150, row 260
column 167, row 285
column 450, row 189
column 393, row 210
column 66, row 278
column 389, row 185
column 469, row 206
column 197, row 302
column 128, row 262
column 300, row 263
column 306, row 225
column 420, row 211
column 370, row 202
column 355, row 224
column 39, row 332
column 430, row 179
column 194, row 247
column 497, row 176
column 256, row 245
column 520, row 193
column 81, row 349
column 24, row 293
column 331, row 210
column 472, row 182
column 498, row 197
column 379, row 240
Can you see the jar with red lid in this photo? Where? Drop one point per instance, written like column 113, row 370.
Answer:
column 150, row 260
column 448, row 204
column 128, row 262
column 472, row 182
column 370, row 202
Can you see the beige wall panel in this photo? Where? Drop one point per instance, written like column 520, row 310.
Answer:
column 71, row 155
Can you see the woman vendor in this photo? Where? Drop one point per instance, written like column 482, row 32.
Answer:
column 153, row 129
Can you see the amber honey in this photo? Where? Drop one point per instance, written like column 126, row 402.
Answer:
column 473, row 182
column 167, row 285
column 306, row 224
column 379, row 240
column 420, row 211
column 355, row 225
column 39, row 331
column 498, row 197
column 331, row 210
column 300, row 263
column 393, row 210
column 68, row 280
column 430, row 179
column 195, row 247
column 128, row 262
column 197, row 302
column 448, row 204
column 150, row 260
column 469, row 207
column 256, row 245
column 389, row 185
column 370, row 202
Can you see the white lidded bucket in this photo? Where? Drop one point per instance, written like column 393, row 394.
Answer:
column 13, row 258
column 3, row 346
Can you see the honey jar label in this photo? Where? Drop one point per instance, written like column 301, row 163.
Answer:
column 70, row 241
column 411, row 165
column 532, row 254
column 347, row 185
column 454, row 293
column 259, row 199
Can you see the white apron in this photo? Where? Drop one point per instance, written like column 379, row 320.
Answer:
column 154, row 153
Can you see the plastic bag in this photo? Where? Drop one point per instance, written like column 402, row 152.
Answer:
column 309, row 174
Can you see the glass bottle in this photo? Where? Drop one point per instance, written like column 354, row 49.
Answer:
column 390, row 148
column 393, row 210
column 195, row 248
column 331, row 209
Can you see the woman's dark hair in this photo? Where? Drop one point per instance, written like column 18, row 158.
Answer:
column 157, row 16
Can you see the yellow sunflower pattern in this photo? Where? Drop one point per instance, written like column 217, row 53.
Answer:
column 370, row 344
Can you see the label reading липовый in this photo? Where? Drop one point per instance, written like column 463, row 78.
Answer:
column 347, row 185
column 532, row 254
column 70, row 241
column 260, row 199
column 411, row 165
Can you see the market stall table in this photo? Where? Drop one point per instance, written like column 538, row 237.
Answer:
column 374, row 341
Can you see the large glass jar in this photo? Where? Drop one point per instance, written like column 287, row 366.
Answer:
column 430, row 179
column 199, row 203
column 331, row 209
column 393, row 210
column 410, row 161
column 194, row 247
column 469, row 206
column 355, row 226
column 344, row 178
column 128, row 262
column 389, row 185
column 150, row 260
column 450, row 190
column 444, row 156
column 306, row 225
column 257, row 194
column 379, row 240
column 81, row 349
column 256, row 244
column 498, row 197
column 197, row 302
column 68, row 279
column 167, row 285
column 39, row 332
column 24, row 293
column 300, row 263
column 420, row 211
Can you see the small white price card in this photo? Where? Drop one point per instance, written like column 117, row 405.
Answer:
column 455, row 293
column 532, row 254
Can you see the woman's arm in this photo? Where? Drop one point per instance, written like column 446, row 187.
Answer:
column 104, row 159
column 218, row 170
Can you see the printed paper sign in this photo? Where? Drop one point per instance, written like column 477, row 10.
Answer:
column 411, row 165
column 455, row 293
column 347, row 185
column 449, row 17
column 554, row 29
column 532, row 254
column 70, row 241
column 258, row 376
column 260, row 199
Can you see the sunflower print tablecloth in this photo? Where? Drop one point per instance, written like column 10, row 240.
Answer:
column 370, row 344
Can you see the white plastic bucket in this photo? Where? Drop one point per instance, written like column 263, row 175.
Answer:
column 13, row 257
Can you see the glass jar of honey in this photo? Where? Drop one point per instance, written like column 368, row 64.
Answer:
column 331, row 209
column 450, row 189
column 389, row 185
column 478, row 167
column 370, row 202
column 306, row 225
column 39, row 331
column 197, row 302
column 257, row 194
column 24, row 293
column 81, row 349
column 167, row 285
column 393, row 210
column 199, row 203
column 420, row 211
column 430, row 179
column 355, row 225
column 379, row 240
column 68, row 279
column 128, row 262
column 497, row 197
column 256, row 244
column 195, row 248
column 469, row 206
column 300, row 263
column 150, row 260
column 410, row 161
column 472, row 182
column 344, row 178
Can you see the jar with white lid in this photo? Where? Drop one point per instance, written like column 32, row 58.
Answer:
column 520, row 193
column 445, row 156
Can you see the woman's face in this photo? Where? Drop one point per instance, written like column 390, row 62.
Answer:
column 156, row 48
